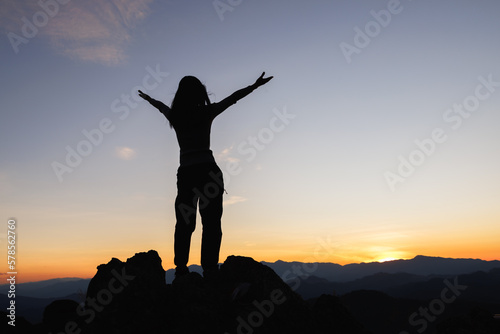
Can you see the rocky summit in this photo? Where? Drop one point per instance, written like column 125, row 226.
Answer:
column 244, row 296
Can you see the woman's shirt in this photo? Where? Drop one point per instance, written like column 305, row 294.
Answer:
column 193, row 128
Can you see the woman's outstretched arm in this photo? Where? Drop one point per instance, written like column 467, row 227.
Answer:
column 162, row 107
column 239, row 94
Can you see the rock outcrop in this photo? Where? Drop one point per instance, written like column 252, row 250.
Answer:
column 243, row 297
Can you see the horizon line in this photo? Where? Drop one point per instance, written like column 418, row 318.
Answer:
column 342, row 265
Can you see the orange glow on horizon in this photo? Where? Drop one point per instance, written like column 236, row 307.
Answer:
column 85, row 266
column 387, row 259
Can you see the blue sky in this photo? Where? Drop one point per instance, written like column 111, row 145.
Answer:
column 325, row 132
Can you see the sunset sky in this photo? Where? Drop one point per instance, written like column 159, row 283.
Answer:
column 378, row 137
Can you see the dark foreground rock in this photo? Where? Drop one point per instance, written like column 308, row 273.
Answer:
column 243, row 297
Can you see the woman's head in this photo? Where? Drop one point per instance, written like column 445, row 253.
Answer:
column 190, row 94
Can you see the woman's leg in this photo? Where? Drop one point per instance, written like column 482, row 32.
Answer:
column 185, row 213
column 211, row 214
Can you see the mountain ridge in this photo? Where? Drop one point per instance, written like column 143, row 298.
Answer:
column 419, row 265
column 333, row 272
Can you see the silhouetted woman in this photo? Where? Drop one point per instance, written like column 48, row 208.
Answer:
column 199, row 179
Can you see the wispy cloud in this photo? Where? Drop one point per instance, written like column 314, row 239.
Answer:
column 225, row 155
column 92, row 30
column 125, row 153
column 233, row 200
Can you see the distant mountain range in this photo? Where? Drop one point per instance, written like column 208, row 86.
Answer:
column 416, row 269
column 462, row 303
column 52, row 288
column 483, row 286
column 417, row 279
column 419, row 265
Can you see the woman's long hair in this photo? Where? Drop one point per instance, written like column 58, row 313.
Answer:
column 190, row 96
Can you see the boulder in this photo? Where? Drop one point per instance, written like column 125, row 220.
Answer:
column 244, row 296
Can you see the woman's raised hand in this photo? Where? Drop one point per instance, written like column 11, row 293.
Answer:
column 261, row 80
column 144, row 96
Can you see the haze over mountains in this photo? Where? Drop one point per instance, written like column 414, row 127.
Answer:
column 419, row 267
